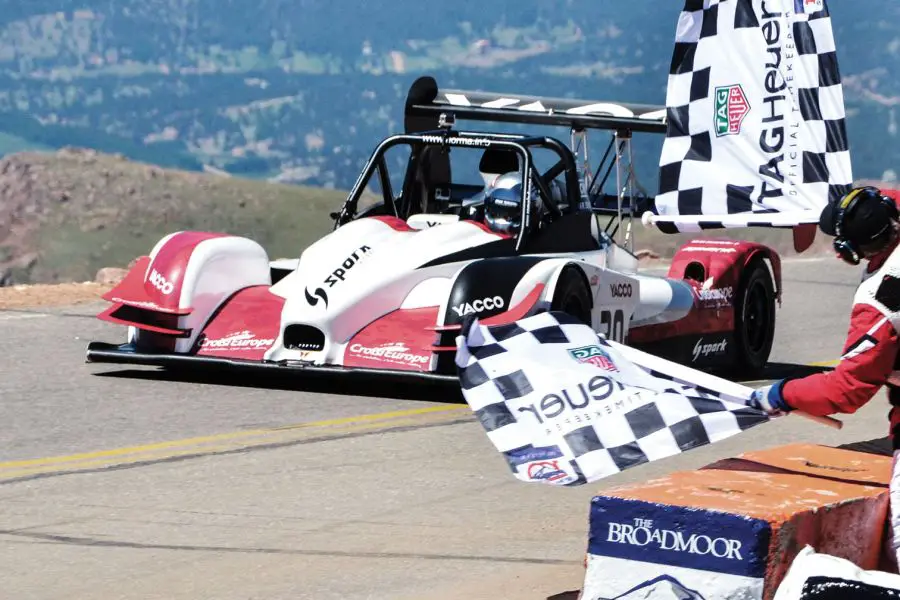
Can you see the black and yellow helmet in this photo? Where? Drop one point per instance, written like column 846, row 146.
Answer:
column 860, row 221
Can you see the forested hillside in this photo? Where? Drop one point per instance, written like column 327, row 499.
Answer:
column 300, row 91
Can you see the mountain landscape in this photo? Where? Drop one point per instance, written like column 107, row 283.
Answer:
column 299, row 93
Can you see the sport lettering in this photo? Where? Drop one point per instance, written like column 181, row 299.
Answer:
column 349, row 263
column 479, row 306
column 336, row 276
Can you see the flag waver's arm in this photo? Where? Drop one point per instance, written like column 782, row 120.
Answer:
column 733, row 391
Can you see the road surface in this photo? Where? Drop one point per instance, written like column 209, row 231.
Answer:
column 117, row 484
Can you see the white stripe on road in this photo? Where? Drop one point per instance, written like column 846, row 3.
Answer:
column 18, row 316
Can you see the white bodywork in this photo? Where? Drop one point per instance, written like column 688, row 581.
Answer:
column 367, row 269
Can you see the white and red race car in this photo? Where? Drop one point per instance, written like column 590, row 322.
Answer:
column 386, row 292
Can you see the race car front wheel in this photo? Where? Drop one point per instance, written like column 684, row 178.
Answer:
column 572, row 296
column 754, row 322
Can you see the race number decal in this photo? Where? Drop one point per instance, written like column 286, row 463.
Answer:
column 612, row 325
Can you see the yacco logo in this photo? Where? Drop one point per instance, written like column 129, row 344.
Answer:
column 335, row 276
column 164, row 286
column 479, row 306
column 642, row 533
column 704, row 350
column 732, row 107
column 620, row 290
column 593, row 355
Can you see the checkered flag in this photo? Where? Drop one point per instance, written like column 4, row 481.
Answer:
column 565, row 407
column 756, row 125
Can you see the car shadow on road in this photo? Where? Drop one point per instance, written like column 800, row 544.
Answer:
column 447, row 392
column 339, row 384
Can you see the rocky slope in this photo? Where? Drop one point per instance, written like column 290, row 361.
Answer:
column 64, row 215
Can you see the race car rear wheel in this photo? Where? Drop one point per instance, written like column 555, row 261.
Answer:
column 572, row 296
column 754, row 319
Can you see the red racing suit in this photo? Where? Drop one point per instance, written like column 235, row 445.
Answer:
column 870, row 360
column 870, row 355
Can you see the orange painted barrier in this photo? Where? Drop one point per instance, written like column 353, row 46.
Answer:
column 732, row 529
column 814, row 460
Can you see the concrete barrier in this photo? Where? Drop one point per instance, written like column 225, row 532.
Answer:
column 815, row 461
column 732, row 529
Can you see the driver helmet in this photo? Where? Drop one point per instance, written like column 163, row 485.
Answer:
column 503, row 204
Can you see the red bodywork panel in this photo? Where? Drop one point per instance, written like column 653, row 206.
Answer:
column 149, row 295
column 133, row 306
column 398, row 224
column 161, row 290
column 395, row 223
column 804, row 236
column 416, row 331
column 132, row 292
column 400, row 340
column 166, row 274
column 245, row 327
column 696, row 262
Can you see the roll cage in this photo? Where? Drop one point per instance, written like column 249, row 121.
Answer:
column 428, row 146
column 430, row 118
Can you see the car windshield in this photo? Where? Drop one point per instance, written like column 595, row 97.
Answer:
column 414, row 174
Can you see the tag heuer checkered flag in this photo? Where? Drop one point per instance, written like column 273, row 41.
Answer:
column 755, row 117
column 566, row 407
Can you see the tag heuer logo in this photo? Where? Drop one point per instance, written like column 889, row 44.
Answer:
column 593, row 355
column 731, row 108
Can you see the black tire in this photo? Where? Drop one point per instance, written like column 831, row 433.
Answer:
column 754, row 320
column 572, row 296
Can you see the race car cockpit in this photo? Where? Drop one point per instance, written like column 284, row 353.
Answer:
column 424, row 187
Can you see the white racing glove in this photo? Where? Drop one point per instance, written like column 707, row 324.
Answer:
column 768, row 399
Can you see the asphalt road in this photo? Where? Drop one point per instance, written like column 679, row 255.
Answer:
column 117, row 484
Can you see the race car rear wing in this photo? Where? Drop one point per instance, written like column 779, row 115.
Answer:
column 426, row 102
